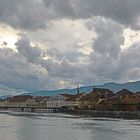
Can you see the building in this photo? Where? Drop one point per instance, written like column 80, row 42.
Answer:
column 90, row 101
column 21, row 101
column 40, row 101
column 124, row 93
column 57, row 101
column 3, row 103
column 130, row 104
column 73, row 101
column 109, row 104
column 137, row 94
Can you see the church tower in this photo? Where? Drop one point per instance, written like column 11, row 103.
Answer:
column 78, row 89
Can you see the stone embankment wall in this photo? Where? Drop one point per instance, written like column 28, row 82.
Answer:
column 108, row 114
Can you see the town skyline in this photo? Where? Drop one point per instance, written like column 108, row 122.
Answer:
column 69, row 69
column 98, row 99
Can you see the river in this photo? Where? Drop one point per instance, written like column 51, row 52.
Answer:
column 57, row 126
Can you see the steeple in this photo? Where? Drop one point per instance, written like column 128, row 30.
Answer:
column 78, row 89
column 94, row 87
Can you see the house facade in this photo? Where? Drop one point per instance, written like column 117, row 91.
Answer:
column 73, row 101
column 57, row 101
column 109, row 104
column 21, row 101
column 3, row 103
column 91, row 100
column 40, row 101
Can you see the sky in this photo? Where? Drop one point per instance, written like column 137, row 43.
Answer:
column 54, row 44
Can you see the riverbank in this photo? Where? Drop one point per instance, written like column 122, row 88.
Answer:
column 107, row 114
column 86, row 113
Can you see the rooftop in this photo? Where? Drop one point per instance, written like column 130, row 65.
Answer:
column 20, row 98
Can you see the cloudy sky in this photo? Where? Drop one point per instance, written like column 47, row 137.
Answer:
column 52, row 44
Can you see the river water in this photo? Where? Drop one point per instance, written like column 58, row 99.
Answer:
column 55, row 126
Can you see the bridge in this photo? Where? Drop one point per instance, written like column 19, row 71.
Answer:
column 32, row 108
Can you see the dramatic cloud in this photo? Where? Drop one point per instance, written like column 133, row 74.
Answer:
column 126, row 11
column 17, row 72
column 23, row 14
column 129, row 63
column 110, row 37
column 47, row 44
column 25, row 48
column 34, row 14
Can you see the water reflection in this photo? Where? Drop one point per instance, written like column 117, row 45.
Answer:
column 35, row 126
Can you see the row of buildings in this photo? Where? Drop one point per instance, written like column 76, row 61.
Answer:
column 98, row 99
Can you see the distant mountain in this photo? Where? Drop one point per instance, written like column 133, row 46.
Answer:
column 59, row 91
column 5, row 96
column 133, row 86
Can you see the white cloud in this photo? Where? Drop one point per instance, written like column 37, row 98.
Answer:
column 8, row 36
column 68, row 42
column 131, row 37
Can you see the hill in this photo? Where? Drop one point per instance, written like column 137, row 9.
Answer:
column 133, row 86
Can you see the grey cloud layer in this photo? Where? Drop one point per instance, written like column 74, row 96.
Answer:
column 107, row 62
column 27, row 70
column 25, row 48
column 23, row 14
column 124, row 11
column 17, row 72
column 34, row 14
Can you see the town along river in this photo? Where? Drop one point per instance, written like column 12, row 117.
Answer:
column 55, row 126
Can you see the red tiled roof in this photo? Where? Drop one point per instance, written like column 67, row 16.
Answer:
column 132, row 101
column 124, row 92
column 137, row 94
column 88, row 97
column 96, row 94
column 40, row 98
column 110, row 100
column 66, row 95
column 20, row 98
column 101, row 92
column 75, row 97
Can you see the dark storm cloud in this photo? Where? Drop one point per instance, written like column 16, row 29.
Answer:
column 110, row 37
column 22, row 14
column 61, row 8
column 25, row 48
column 62, row 68
column 17, row 72
column 35, row 14
column 124, row 11
column 106, row 63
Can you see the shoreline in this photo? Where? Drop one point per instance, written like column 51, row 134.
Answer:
column 107, row 114
column 90, row 113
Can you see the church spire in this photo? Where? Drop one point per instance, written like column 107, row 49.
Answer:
column 78, row 89
column 94, row 86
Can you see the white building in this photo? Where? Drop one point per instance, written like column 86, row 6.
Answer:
column 57, row 101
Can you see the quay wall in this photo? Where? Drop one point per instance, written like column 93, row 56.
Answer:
column 108, row 114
